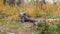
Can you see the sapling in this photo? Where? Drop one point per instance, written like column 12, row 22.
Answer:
column 37, row 13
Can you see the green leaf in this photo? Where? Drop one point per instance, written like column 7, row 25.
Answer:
column 48, row 14
column 22, row 20
column 54, row 32
column 37, row 13
column 41, row 24
column 53, row 27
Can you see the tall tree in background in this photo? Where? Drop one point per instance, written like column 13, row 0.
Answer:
column 4, row 2
column 19, row 2
column 54, row 4
column 42, row 3
column 11, row 2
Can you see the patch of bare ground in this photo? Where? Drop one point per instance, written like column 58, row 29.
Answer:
column 25, row 31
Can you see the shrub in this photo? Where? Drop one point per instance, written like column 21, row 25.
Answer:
column 44, row 28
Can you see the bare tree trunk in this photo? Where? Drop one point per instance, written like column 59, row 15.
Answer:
column 11, row 2
column 43, row 3
column 19, row 3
